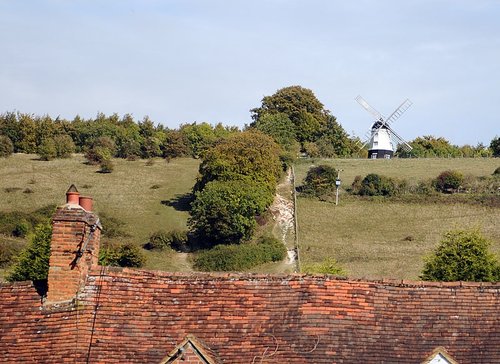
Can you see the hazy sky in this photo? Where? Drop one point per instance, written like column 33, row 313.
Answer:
column 192, row 60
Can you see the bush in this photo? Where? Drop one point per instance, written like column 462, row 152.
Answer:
column 496, row 172
column 33, row 261
column 47, row 149
column 6, row 146
column 495, row 146
column 377, row 185
column 103, row 148
column 175, row 239
column 123, row 255
column 327, row 266
column 64, row 146
column 462, row 255
column 8, row 250
column 240, row 257
column 320, row 180
column 112, row 227
column 106, row 166
column 448, row 181
column 224, row 212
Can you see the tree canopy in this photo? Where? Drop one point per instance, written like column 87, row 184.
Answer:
column 462, row 255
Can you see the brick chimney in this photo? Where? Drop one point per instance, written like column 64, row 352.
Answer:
column 74, row 248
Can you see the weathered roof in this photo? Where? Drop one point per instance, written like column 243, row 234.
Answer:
column 137, row 316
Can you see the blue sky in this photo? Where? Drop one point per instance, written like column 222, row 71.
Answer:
column 192, row 60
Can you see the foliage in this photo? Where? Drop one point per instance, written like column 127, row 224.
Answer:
column 9, row 249
column 103, row 148
column 64, row 145
column 377, row 185
column 6, row 146
column 279, row 127
column 311, row 149
column 224, row 211
column 21, row 223
column 250, row 155
column 33, row 261
column 496, row 172
column 448, row 181
column 122, row 255
column 320, row 180
column 301, row 106
column 47, row 150
column 175, row 239
column 495, row 146
column 327, row 266
column 106, row 166
column 240, row 257
column 462, row 255
column 112, row 227
column 430, row 146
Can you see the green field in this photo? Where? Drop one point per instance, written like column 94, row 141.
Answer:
column 378, row 238
column 133, row 193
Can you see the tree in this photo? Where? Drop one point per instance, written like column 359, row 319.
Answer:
column 224, row 211
column 47, row 149
column 6, row 146
column 301, row 106
column 64, row 145
column 495, row 146
column 320, row 180
column 33, row 262
column 279, row 127
column 250, row 155
column 103, row 148
column 462, row 255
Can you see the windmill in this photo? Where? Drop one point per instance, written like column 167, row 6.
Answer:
column 382, row 140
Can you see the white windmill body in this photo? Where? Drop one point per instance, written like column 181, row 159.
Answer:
column 381, row 139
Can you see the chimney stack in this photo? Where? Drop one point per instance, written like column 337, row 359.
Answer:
column 74, row 247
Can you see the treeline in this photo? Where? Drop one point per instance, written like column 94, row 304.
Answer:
column 123, row 136
column 430, row 146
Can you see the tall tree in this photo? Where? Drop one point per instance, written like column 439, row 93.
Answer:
column 301, row 106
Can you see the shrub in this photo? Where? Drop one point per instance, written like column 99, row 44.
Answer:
column 462, row 255
column 448, row 181
column 6, row 146
column 495, row 146
column 103, row 148
column 240, row 257
column 496, row 172
column 112, row 227
column 320, row 180
column 106, row 166
column 224, row 212
column 312, row 150
column 327, row 266
column 377, row 185
column 47, row 149
column 8, row 250
column 175, row 239
column 33, row 261
column 122, row 255
column 64, row 146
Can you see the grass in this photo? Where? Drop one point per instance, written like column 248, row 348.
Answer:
column 369, row 238
column 411, row 169
column 377, row 238
column 133, row 193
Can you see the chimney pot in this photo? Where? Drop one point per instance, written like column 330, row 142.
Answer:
column 72, row 195
column 86, row 203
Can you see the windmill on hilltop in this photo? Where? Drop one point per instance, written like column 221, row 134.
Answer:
column 381, row 139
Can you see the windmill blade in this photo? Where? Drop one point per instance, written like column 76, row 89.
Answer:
column 371, row 110
column 399, row 140
column 399, row 111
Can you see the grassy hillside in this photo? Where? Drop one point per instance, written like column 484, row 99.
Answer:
column 133, row 193
column 379, row 238
column 370, row 239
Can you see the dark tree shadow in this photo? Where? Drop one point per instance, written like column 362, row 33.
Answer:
column 180, row 202
column 41, row 287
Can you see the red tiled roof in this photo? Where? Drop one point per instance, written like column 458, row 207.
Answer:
column 137, row 316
